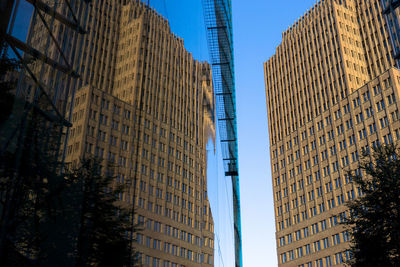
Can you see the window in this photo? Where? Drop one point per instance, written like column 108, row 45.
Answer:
column 331, row 135
column 335, row 166
column 315, row 228
column 387, row 139
column 349, row 124
column 340, row 199
column 345, row 161
column 139, row 239
column 317, row 246
column 346, row 108
column 339, row 258
column 384, row 122
column 380, row 105
column 324, row 155
column 366, row 96
column 346, row 236
column 356, row 102
column 291, row 255
column 283, row 257
column 307, row 249
column 336, row 239
column 395, row 115
column 362, row 134
column 156, row 262
column 337, row 114
column 299, row 252
column 326, row 171
column 340, row 129
column 282, row 241
column 359, row 118
column 333, row 150
column 331, row 203
column 103, row 119
column 370, row 112
column 391, row 99
column 323, row 225
column 355, row 156
column 347, row 254
column 377, row 89
column 319, row 191
column 328, row 187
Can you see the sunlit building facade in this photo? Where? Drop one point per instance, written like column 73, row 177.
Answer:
column 144, row 105
column 332, row 93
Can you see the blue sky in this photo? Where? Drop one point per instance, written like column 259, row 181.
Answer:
column 258, row 25
column 257, row 29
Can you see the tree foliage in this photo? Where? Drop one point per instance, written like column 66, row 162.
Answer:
column 50, row 215
column 102, row 238
column 7, row 86
column 375, row 219
column 31, row 186
column 69, row 219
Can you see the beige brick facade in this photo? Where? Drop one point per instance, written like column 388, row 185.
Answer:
column 331, row 94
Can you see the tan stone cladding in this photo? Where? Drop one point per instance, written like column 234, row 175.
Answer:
column 332, row 93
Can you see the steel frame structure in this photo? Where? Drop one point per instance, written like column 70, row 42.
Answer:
column 15, row 127
column 54, row 114
column 218, row 21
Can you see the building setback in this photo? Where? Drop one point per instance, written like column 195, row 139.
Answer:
column 332, row 93
column 146, row 106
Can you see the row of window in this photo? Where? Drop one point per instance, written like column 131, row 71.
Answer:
column 315, row 229
column 383, row 122
column 315, row 246
column 315, row 210
column 172, row 249
column 338, row 258
column 172, row 214
column 176, row 233
column 356, row 102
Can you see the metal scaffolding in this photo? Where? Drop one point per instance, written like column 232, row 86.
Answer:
column 51, row 111
column 391, row 12
column 218, row 20
column 37, row 117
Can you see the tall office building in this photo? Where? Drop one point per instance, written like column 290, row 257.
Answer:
column 146, row 106
column 332, row 92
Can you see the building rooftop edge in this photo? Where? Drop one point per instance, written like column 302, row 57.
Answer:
column 303, row 17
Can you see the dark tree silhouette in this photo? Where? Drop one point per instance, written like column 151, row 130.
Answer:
column 104, row 221
column 375, row 216
column 50, row 215
column 31, row 188
column 7, row 86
